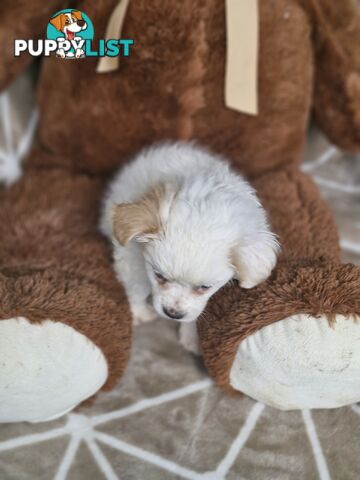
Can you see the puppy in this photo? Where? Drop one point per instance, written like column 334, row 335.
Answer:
column 182, row 225
column 69, row 24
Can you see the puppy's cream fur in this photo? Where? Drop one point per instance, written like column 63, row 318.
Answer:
column 183, row 224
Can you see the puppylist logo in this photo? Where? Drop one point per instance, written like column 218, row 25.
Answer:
column 70, row 35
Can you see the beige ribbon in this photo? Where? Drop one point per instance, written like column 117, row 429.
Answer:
column 242, row 26
column 113, row 30
column 242, row 34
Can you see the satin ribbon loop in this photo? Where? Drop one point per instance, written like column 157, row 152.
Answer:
column 242, row 39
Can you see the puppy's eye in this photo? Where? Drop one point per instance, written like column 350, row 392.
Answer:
column 67, row 21
column 160, row 278
column 202, row 288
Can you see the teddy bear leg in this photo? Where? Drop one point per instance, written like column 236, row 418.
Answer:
column 336, row 27
column 291, row 342
column 65, row 327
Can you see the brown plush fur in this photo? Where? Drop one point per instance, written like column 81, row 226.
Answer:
column 337, row 76
column 172, row 87
column 55, row 265
column 21, row 19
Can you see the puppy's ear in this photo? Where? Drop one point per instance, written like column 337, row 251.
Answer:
column 77, row 14
column 140, row 221
column 133, row 221
column 58, row 22
column 254, row 262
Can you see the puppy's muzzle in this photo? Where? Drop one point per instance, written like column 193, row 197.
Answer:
column 81, row 23
column 172, row 313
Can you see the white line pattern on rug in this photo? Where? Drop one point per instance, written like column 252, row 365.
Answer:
column 320, row 161
column 34, row 438
column 151, row 402
column 333, row 185
column 68, row 458
column 146, row 456
column 101, row 460
column 316, row 446
column 81, row 428
column 240, row 440
column 349, row 246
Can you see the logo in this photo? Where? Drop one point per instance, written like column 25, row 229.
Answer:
column 70, row 29
column 70, row 35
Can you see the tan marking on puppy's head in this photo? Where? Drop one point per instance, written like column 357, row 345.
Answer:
column 139, row 220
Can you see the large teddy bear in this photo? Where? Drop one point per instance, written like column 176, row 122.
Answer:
column 65, row 326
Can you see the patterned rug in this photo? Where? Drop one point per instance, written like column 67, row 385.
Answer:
column 166, row 420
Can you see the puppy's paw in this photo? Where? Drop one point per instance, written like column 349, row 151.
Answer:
column 142, row 313
column 189, row 338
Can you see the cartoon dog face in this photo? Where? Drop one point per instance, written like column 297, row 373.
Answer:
column 69, row 23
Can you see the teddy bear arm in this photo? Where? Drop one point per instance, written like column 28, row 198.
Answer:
column 21, row 20
column 336, row 27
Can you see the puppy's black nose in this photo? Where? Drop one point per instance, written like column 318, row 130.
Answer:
column 81, row 23
column 172, row 313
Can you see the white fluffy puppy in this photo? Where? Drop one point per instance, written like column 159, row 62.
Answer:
column 183, row 224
